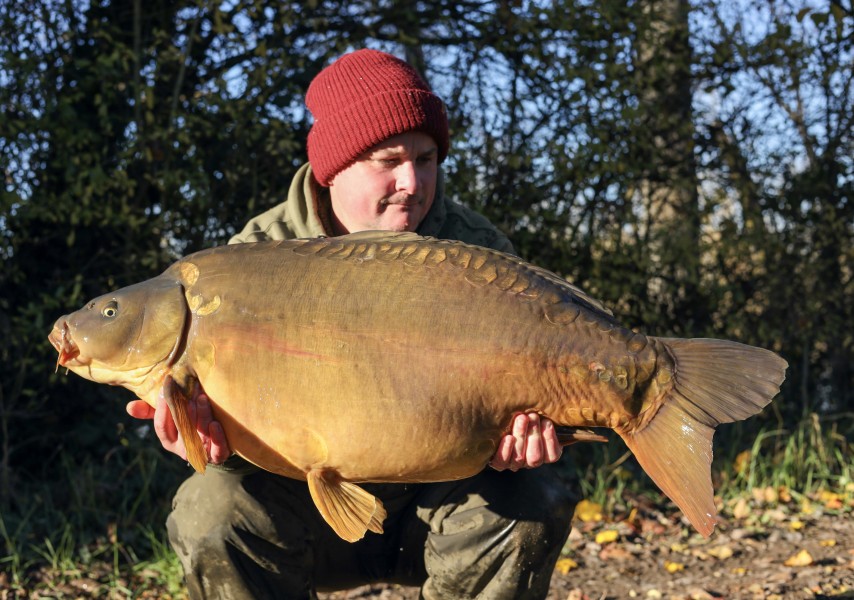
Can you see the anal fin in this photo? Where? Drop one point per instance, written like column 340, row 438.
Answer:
column 178, row 405
column 347, row 508
column 676, row 452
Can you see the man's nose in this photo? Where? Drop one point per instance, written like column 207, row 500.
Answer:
column 406, row 178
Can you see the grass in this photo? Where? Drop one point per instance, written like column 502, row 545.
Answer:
column 93, row 528
column 816, row 454
column 96, row 530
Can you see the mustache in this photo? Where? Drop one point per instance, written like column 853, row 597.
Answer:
column 402, row 199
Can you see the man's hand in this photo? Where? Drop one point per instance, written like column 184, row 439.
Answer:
column 199, row 408
column 531, row 443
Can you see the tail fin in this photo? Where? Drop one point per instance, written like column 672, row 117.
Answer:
column 715, row 381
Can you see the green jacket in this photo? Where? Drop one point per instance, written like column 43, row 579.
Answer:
column 303, row 215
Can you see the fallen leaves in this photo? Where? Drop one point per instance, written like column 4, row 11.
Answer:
column 801, row 559
column 607, row 536
column 565, row 565
column 771, row 543
column 588, row 512
column 673, row 567
column 721, row 552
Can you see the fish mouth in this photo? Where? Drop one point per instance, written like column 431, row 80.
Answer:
column 61, row 339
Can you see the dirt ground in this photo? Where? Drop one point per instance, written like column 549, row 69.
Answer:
column 770, row 545
column 761, row 550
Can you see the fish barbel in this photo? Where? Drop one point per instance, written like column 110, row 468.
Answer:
column 388, row 357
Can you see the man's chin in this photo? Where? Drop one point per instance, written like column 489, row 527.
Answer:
column 405, row 222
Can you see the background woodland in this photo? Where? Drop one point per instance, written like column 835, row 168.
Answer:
column 690, row 163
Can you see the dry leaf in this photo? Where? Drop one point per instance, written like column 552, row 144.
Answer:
column 775, row 515
column 741, row 509
column 565, row 565
column 673, row 567
column 721, row 552
column 576, row 594
column 614, row 552
column 679, row 548
column 771, row 496
column 588, row 511
column 783, row 493
column 607, row 536
column 796, row 525
column 742, row 462
column 827, row 543
column 831, row 500
column 801, row 559
column 739, row 571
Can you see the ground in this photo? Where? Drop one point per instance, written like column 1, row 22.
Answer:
column 764, row 548
column 769, row 545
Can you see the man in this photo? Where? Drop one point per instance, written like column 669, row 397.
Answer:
column 378, row 136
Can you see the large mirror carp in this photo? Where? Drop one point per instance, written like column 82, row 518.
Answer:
column 388, row 357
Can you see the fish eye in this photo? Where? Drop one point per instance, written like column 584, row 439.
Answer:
column 111, row 309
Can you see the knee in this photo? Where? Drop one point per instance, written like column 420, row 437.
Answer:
column 501, row 542
column 540, row 498
column 557, row 504
column 223, row 512
column 202, row 516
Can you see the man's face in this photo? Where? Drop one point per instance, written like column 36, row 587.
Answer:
column 390, row 187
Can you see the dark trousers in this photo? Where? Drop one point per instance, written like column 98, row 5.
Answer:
column 246, row 533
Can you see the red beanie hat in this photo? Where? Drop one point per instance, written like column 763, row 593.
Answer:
column 362, row 99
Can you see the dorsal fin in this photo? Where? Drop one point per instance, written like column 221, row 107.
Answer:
column 345, row 247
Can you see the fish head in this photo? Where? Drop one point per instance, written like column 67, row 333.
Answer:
column 122, row 337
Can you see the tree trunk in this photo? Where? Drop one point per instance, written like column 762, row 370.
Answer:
column 668, row 190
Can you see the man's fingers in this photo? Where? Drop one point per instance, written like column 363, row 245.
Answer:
column 534, row 452
column 139, row 409
column 551, row 444
column 164, row 426
column 203, row 410
column 520, row 433
column 501, row 460
column 219, row 450
column 167, row 432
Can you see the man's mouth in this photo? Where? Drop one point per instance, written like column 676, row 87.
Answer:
column 405, row 201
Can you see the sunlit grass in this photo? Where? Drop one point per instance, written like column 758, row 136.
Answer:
column 813, row 455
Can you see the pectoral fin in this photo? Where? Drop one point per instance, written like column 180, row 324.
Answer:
column 349, row 510
column 178, row 405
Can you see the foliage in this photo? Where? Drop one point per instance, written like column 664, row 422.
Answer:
column 693, row 171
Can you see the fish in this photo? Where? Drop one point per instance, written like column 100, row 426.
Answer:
column 390, row 357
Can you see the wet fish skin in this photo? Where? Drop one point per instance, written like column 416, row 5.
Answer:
column 390, row 357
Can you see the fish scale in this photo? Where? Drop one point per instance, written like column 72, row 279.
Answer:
column 389, row 357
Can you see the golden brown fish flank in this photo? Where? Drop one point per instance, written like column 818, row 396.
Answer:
column 303, row 346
